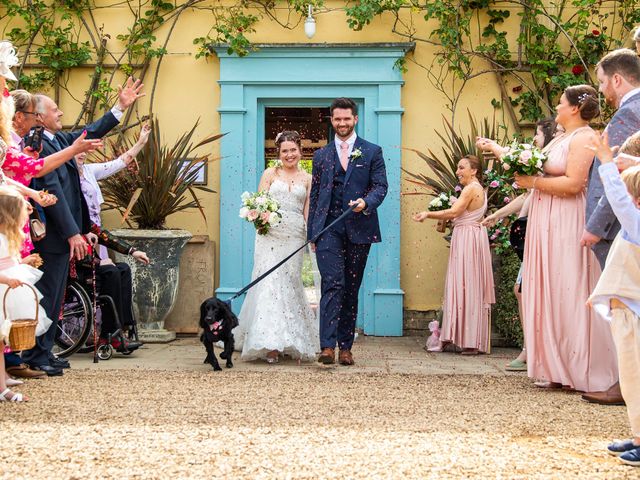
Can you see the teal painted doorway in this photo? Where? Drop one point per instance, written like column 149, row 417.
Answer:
column 296, row 76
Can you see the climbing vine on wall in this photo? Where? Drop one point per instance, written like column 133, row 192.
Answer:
column 54, row 37
column 533, row 48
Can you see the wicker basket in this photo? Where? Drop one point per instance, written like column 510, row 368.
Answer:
column 22, row 335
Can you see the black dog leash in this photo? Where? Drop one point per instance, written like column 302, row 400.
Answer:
column 281, row 262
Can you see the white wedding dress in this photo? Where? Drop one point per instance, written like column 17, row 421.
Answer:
column 275, row 314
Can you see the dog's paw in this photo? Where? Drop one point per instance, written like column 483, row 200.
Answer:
column 229, row 365
column 217, row 368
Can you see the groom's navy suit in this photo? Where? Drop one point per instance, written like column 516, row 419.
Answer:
column 342, row 251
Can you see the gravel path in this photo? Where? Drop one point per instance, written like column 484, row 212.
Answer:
column 315, row 424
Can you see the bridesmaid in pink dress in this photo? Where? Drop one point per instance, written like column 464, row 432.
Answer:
column 566, row 344
column 469, row 290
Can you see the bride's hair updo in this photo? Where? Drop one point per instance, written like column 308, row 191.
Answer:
column 288, row 136
column 585, row 98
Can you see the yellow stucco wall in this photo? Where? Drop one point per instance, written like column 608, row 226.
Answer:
column 188, row 90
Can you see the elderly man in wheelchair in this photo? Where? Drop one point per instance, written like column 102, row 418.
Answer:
column 99, row 282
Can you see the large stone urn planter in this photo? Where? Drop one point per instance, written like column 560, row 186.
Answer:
column 155, row 286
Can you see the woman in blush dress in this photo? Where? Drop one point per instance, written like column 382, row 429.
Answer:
column 545, row 131
column 469, row 289
column 276, row 318
column 566, row 344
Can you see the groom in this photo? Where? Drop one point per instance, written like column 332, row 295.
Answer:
column 348, row 172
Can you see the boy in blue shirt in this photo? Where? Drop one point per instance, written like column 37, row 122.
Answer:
column 617, row 295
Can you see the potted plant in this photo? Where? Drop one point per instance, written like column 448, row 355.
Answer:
column 162, row 183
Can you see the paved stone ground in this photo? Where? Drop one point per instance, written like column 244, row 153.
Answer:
column 399, row 413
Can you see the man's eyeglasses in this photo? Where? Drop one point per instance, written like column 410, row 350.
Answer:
column 27, row 113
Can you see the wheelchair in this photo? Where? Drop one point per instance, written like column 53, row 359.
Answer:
column 75, row 332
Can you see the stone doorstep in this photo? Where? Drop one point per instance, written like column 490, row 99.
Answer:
column 156, row 336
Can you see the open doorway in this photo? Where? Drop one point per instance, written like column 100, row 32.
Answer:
column 312, row 123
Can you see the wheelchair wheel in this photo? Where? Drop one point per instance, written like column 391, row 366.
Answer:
column 105, row 352
column 76, row 322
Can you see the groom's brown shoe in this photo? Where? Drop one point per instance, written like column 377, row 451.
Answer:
column 327, row 356
column 345, row 357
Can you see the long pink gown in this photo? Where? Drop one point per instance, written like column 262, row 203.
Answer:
column 566, row 342
column 469, row 292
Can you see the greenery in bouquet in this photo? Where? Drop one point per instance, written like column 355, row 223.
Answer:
column 499, row 235
column 261, row 209
column 523, row 159
column 500, row 186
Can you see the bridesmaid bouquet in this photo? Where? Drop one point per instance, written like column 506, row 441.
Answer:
column 523, row 159
column 442, row 202
column 261, row 209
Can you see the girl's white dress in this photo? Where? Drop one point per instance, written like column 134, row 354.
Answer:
column 275, row 314
column 20, row 303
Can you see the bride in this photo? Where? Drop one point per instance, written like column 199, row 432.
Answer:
column 276, row 318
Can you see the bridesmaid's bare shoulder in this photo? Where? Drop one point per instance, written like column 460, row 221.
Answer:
column 584, row 137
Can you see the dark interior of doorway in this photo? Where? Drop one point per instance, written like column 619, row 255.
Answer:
column 312, row 123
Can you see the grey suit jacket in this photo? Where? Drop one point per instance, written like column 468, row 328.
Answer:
column 600, row 219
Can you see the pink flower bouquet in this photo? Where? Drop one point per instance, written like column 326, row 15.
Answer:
column 523, row 159
column 261, row 209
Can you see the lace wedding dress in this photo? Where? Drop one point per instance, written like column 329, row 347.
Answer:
column 275, row 314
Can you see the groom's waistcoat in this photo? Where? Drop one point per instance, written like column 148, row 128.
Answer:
column 335, row 207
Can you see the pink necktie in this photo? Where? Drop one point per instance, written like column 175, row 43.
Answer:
column 344, row 157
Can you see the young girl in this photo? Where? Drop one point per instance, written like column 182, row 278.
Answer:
column 20, row 303
column 617, row 295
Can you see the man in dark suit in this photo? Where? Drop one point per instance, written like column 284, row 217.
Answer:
column 348, row 172
column 618, row 74
column 67, row 220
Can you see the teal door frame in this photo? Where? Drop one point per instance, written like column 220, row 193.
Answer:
column 311, row 75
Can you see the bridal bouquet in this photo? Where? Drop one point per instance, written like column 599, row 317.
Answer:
column 523, row 159
column 442, row 201
column 261, row 209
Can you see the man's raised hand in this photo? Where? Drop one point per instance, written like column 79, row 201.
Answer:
column 128, row 94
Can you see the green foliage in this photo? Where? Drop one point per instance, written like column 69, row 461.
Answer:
column 232, row 29
column 140, row 37
column 51, row 38
column 166, row 178
column 307, row 272
column 506, row 316
column 558, row 43
column 499, row 235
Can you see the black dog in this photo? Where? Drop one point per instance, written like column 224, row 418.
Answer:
column 217, row 320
